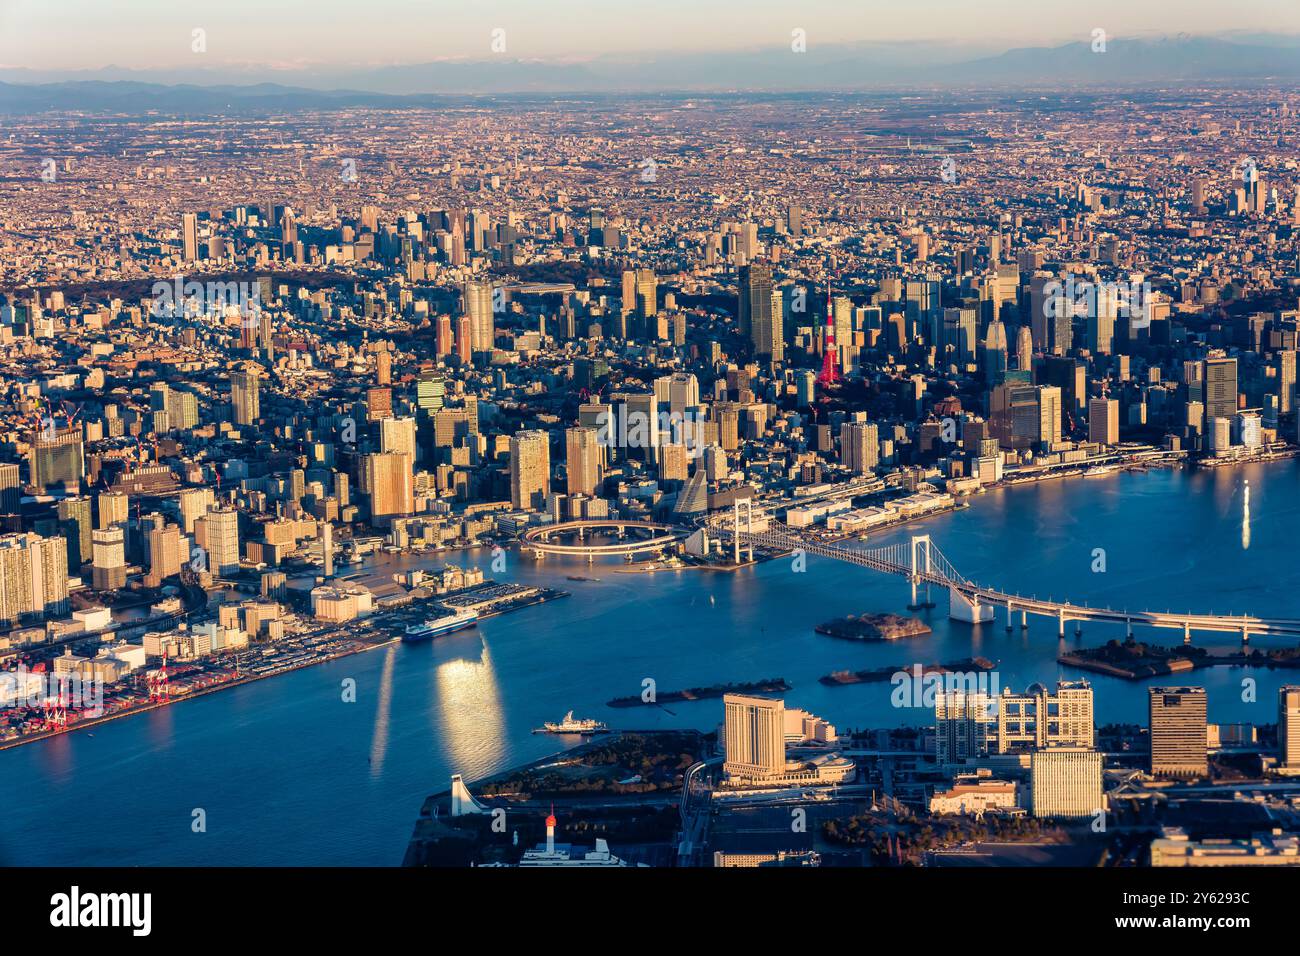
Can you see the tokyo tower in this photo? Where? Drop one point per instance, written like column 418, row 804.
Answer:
column 830, row 374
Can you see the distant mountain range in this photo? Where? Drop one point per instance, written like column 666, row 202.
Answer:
column 1249, row 60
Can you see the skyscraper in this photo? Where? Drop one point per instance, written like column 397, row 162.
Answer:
column 217, row 532
column 244, row 399
column 1220, row 388
column 1288, row 728
column 57, row 459
column 530, row 469
column 478, row 309
column 755, row 310
column 1103, row 421
column 388, row 479
column 754, row 729
column 189, row 237
column 582, row 460
column 108, row 572
column 1178, row 731
column 860, row 446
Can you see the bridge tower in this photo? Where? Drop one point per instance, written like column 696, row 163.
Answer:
column 735, row 527
column 921, row 543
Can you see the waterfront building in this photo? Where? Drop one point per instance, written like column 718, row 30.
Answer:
column 1275, row 848
column 1065, row 781
column 1288, row 728
column 1178, row 731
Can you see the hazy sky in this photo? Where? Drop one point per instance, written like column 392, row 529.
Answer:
column 86, row 34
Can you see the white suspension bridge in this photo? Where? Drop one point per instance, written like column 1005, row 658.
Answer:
column 921, row 562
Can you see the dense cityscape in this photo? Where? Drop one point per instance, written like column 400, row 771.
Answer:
column 691, row 414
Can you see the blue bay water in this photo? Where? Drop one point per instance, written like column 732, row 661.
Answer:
column 289, row 774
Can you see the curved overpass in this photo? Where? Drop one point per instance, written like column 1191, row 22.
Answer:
column 543, row 539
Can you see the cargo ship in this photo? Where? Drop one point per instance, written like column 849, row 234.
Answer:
column 438, row 626
column 571, row 726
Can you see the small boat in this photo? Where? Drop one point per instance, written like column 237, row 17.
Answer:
column 571, row 726
column 578, row 577
column 1096, row 471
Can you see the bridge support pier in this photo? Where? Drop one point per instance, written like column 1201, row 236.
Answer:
column 1245, row 635
column 970, row 610
column 1187, row 633
column 1008, row 617
column 1078, row 629
column 1060, row 622
column 1024, row 619
column 1128, row 626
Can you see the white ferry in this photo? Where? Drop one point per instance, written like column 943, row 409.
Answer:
column 570, row 726
column 1096, row 471
column 436, row 627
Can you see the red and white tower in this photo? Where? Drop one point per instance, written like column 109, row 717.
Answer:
column 550, row 832
column 830, row 374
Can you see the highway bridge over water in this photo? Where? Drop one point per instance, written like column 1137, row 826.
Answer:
column 921, row 562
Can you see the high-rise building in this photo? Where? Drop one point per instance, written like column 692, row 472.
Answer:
column 1220, row 388
column 57, row 459
column 1288, row 728
column 1103, row 421
column 1043, row 718
column 582, row 460
column 1066, row 781
column 756, row 316
column 388, row 479
column 108, row 572
column 33, row 577
column 75, row 525
column 1179, row 738
column 962, row 725
column 244, row 399
column 114, row 509
column 194, row 504
column 217, row 532
column 754, row 731
column 478, row 309
column 11, row 488
column 860, row 446
column 189, row 236
column 530, row 469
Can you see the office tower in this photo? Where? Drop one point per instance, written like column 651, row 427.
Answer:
column 582, row 460
column 217, row 532
column 443, row 340
column 1066, row 782
column 1045, row 301
column 244, row 400
column 794, row 221
column 75, row 525
column 1286, row 379
column 1043, row 718
column 1288, row 728
column 108, row 572
column 674, row 463
column 33, row 577
column 1178, row 731
column 1220, row 387
column 464, row 339
column 387, row 478
column 1101, row 326
column 478, row 309
column 1049, row 406
column 398, row 435
column 194, row 504
column 430, row 391
column 994, row 354
column 756, row 317
column 57, row 461
column 1103, row 421
column 114, row 508
column 327, row 548
column 165, row 556
column 860, row 446
column 962, row 722
column 530, row 469
column 189, row 237
column 379, row 404
column 1024, row 349
column 754, row 730
column 384, row 367
column 11, row 488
